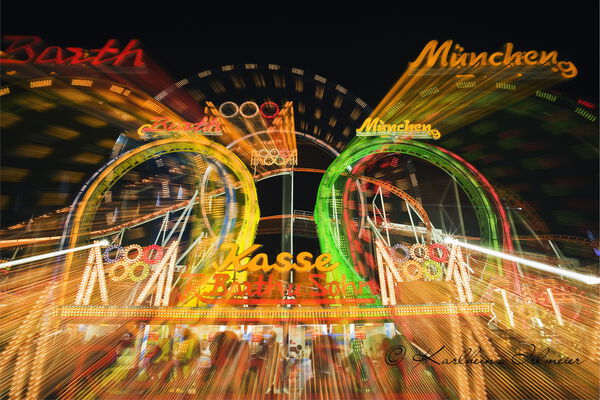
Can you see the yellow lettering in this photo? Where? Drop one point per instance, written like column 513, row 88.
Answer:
column 259, row 261
column 232, row 258
column 322, row 261
column 493, row 57
column 477, row 60
column 567, row 69
column 284, row 262
column 509, row 58
column 546, row 57
column 369, row 125
column 304, row 262
column 426, row 127
column 432, row 54
column 458, row 60
column 530, row 57
column 142, row 129
column 435, row 54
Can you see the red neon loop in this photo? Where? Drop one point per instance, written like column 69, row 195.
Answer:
column 147, row 255
column 432, row 255
column 268, row 104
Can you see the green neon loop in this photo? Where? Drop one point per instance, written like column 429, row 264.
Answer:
column 328, row 208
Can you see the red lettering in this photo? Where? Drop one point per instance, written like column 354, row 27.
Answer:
column 214, row 126
column 58, row 56
column 292, row 289
column 79, row 56
column 129, row 51
column 258, row 287
column 159, row 125
column 323, row 290
column 106, row 49
column 236, row 288
column 202, row 123
column 273, row 286
column 220, row 283
column 18, row 47
column 21, row 50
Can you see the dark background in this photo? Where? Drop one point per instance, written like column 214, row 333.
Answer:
column 364, row 48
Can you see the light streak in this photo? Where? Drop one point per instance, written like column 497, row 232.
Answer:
column 588, row 279
column 51, row 254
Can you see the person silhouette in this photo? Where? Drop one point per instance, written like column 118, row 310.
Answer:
column 330, row 380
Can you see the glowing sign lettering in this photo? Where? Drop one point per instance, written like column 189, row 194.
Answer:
column 445, row 55
column 223, row 290
column 25, row 49
column 304, row 260
column 207, row 126
column 376, row 127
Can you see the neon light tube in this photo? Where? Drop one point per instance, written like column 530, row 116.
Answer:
column 52, row 254
column 588, row 279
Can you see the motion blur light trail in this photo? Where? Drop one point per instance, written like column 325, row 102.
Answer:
column 231, row 237
column 590, row 280
column 26, row 260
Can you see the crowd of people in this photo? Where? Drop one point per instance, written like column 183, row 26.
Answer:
column 227, row 367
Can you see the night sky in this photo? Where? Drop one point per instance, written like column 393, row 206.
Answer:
column 365, row 50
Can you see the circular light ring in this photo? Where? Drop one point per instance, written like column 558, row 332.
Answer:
column 270, row 162
column 415, row 256
column 251, row 105
column 106, row 254
column 490, row 216
column 274, row 153
column 143, row 275
column 263, row 152
column 279, row 160
column 432, row 254
column 285, row 153
column 403, row 248
column 125, row 251
column 409, row 276
column 426, row 270
column 148, row 252
column 229, row 104
column 80, row 220
column 268, row 104
column 112, row 272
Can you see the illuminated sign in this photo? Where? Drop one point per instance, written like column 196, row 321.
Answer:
column 223, row 290
column 207, row 126
column 377, row 127
column 26, row 49
column 445, row 55
column 304, row 260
